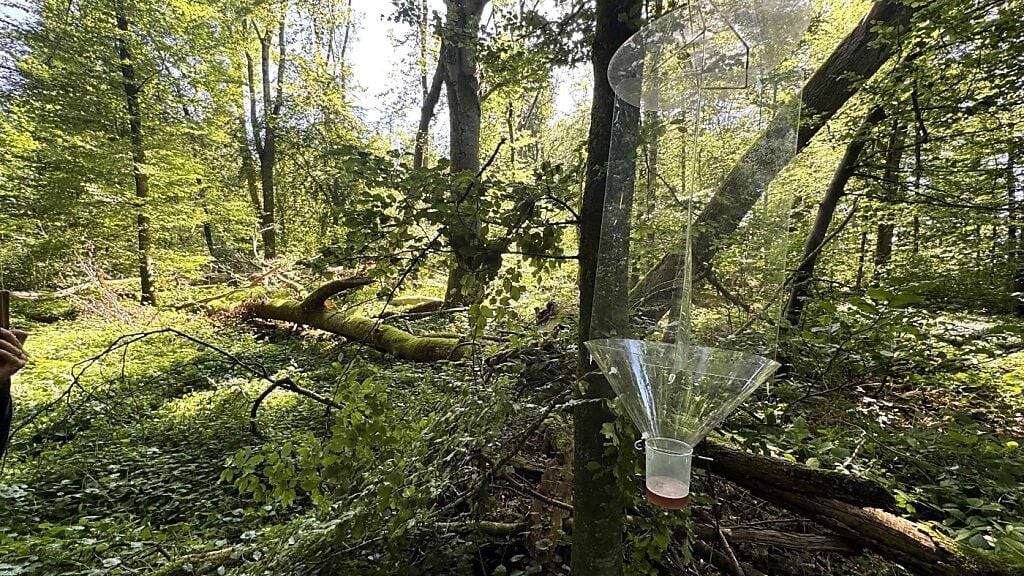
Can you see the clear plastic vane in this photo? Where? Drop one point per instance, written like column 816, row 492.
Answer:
column 692, row 259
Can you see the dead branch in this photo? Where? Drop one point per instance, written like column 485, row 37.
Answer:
column 317, row 299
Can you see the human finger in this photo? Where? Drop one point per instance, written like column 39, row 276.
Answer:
column 21, row 335
column 8, row 359
column 12, row 349
column 9, row 336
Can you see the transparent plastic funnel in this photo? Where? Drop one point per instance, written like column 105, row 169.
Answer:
column 695, row 220
column 676, row 393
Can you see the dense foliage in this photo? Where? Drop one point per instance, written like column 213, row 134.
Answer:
column 217, row 146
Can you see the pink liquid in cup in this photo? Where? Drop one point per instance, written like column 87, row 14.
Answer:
column 668, row 493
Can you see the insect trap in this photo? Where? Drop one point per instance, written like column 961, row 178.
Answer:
column 692, row 257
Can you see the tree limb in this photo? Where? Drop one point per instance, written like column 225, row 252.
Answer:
column 318, row 298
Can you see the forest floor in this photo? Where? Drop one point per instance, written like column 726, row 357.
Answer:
column 146, row 459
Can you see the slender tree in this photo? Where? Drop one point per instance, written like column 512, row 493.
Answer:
column 132, row 90
column 826, row 211
column 887, row 228
column 1016, row 243
column 263, row 121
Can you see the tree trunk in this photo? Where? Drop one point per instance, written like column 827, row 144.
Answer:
column 264, row 129
column 312, row 311
column 853, row 62
column 460, row 66
column 131, row 93
column 267, row 155
column 1015, row 240
column 886, row 229
column 431, row 89
column 248, row 173
column 598, row 509
column 862, row 257
column 208, row 236
column 883, row 246
column 826, row 210
column 342, row 65
column 431, row 95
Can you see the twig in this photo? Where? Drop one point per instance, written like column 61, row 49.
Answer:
column 517, row 442
column 520, row 485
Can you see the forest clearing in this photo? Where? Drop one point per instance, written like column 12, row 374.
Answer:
column 510, row 287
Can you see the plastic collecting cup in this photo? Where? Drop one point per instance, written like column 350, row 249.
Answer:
column 667, row 478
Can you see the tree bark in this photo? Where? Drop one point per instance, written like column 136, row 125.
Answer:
column 312, row 311
column 431, row 95
column 132, row 89
column 826, row 210
column 264, row 128
column 598, row 509
column 855, row 60
column 460, row 69
column 886, row 229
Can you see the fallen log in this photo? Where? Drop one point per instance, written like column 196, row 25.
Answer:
column 72, row 290
column 788, row 540
column 313, row 312
column 897, row 539
column 853, row 508
column 318, row 298
column 747, row 469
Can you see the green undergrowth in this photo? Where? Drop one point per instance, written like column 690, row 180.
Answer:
column 147, row 455
column 928, row 404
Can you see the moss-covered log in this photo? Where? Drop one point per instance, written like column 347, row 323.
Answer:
column 745, row 469
column 318, row 298
column 367, row 331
